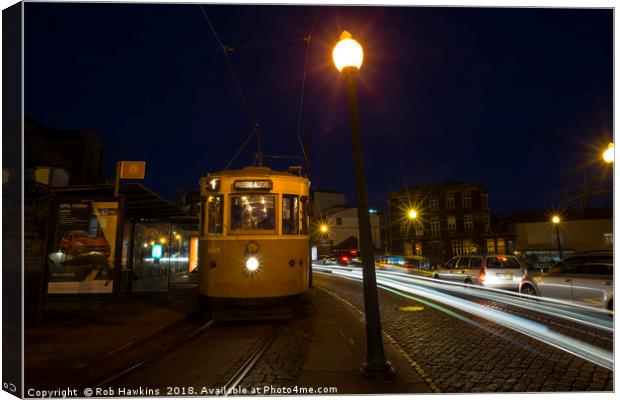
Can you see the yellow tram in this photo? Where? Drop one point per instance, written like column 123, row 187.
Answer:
column 254, row 239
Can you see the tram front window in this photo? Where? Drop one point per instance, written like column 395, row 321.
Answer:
column 253, row 213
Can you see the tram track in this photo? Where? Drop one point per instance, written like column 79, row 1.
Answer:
column 239, row 373
column 157, row 355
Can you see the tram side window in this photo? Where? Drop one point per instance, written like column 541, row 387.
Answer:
column 304, row 215
column 253, row 213
column 290, row 214
column 215, row 214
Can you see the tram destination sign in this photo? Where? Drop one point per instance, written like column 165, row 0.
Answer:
column 253, row 185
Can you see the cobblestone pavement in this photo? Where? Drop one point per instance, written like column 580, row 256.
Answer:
column 461, row 353
column 281, row 364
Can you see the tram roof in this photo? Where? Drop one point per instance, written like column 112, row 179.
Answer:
column 254, row 171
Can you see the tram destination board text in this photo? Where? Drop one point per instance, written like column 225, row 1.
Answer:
column 253, row 185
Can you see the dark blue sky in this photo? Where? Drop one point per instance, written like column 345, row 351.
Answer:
column 512, row 98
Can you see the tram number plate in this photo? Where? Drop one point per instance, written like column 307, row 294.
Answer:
column 254, row 185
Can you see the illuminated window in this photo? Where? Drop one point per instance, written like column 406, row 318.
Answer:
column 490, row 246
column 457, row 247
column 435, row 226
column 468, row 221
column 450, row 201
column 434, row 203
column 468, row 247
column 215, row 214
column 418, row 249
column 253, row 213
column 501, row 246
column 609, row 238
column 451, row 222
column 466, row 198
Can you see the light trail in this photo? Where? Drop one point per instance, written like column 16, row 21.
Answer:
column 581, row 314
column 522, row 325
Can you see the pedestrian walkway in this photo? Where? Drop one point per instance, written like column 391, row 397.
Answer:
column 338, row 349
column 75, row 334
column 81, row 342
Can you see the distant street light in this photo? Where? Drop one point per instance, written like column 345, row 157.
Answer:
column 348, row 56
column 324, row 228
column 608, row 154
column 412, row 214
column 556, row 221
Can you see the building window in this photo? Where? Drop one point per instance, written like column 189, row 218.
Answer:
column 501, row 246
column 450, row 201
column 609, row 238
column 457, row 247
column 485, row 200
column 419, row 229
column 468, row 221
column 418, row 249
column 466, row 198
column 490, row 246
column 467, row 247
column 338, row 221
column 435, row 226
column 434, row 203
column 451, row 222
column 408, row 248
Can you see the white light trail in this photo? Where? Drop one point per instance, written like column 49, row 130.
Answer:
column 527, row 327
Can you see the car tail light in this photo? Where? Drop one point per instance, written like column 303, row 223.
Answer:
column 482, row 275
column 345, row 259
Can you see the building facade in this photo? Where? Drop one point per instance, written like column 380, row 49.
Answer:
column 452, row 219
column 579, row 230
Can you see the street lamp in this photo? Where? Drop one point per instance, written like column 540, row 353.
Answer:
column 412, row 214
column 556, row 221
column 323, row 228
column 608, row 154
column 348, row 56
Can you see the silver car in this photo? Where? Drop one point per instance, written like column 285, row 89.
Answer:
column 498, row 271
column 585, row 278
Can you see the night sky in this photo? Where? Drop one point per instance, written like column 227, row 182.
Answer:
column 517, row 99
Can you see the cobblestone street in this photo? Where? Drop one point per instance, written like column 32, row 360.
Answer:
column 462, row 353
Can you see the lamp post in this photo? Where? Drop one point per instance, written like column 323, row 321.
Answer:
column 348, row 56
column 556, row 222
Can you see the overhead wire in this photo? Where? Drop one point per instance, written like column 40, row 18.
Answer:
column 230, row 66
column 303, row 84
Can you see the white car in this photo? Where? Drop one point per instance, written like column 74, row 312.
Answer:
column 497, row 271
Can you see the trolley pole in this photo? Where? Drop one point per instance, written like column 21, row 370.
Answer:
column 376, row 365
column 557, row 237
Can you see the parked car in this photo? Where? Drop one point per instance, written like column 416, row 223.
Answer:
column 79, row 243
column 583, row 278
column 498, row 271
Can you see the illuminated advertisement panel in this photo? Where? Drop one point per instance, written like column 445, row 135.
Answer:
column 83, row 248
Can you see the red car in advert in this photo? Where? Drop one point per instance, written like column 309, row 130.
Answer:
column 80, row 242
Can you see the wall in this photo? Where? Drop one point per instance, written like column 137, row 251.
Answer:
column 580, row 235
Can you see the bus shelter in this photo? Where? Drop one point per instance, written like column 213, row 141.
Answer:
column 99, row 244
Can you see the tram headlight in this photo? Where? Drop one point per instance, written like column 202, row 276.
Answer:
column 251, row 264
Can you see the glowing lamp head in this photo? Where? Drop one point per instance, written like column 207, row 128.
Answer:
column 324, row 228
column 608, row 154
column 347, row 52
column 412, row 214
column 555, row 219
column 251, row 264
